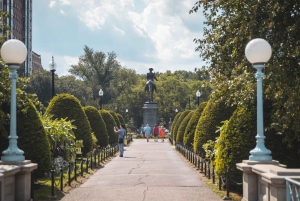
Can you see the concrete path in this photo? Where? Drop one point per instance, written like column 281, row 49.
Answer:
column 149, row 171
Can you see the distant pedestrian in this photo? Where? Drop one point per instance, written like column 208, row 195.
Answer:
column 121, row 136
column 147, row 132
column 162, row 133
column 142, row 130
column 155, row 132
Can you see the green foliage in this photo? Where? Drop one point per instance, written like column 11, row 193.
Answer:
column 210, row 151
column 32, row 137
column 213, row 114
column 120, row 118
column 188, row 137
column 224, row 39
column 60, row 133
column 174, row 124
column 68, row 106
column 116, row 118
column 182, row 127
column 97, row 124
column 178, row 123
column 110, row 123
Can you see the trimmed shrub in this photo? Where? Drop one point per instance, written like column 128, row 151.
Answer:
column 110, row 123
column 182, row 127
column 178, row 123
column 32, row 138
column 210, row 120
column 121, row 119
column 237, row 138
column 68, row 106
column 114, row 115
column 97, row 125
column 189, row 132
column 174, row 123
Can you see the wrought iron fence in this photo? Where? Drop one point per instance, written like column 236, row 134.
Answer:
column 63, row 172
column 292, row 190
column 205, row 166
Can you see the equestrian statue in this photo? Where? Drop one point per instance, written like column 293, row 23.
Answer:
column 150, row 86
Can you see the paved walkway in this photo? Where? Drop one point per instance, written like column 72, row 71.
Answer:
column 149, row 171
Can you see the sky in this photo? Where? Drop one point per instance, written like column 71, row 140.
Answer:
column 144, row 34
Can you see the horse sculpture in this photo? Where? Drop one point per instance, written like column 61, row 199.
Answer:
column 150, row 87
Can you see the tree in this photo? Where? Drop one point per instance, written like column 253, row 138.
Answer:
column 230, row 25
column 40, row 83
column 96, row 70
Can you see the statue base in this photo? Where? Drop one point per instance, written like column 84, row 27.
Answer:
column 150, row 114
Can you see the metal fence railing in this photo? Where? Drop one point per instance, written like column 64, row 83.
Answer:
column 206, row 167
column 292, row 190
column 63, row 172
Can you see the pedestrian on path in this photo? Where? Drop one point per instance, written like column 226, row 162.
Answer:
column 155, row 132
column 162, row 133
column 147, row 132
column 121, row 136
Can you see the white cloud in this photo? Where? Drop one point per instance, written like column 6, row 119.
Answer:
column 64, row 2
column 71, row 60
column 120, row 31
column 62, row 12
column 52, row 4
column 160, row 32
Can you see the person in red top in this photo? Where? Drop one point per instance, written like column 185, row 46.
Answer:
column 155, row 132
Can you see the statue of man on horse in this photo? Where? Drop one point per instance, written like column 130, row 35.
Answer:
column 150, row 86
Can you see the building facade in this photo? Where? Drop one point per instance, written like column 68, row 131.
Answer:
column 20, row 21
column 36, row 62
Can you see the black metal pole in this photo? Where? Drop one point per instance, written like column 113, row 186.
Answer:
column 53, row 90
column 198, row 101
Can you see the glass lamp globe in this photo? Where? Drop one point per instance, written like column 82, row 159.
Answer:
column 52, row 65
column 258, row 50
column 13, row 52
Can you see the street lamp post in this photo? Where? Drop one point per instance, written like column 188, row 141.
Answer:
column 126, row 115
column 258, row 52
column 14, row 53
column 52, row 66
column 198, row 94
column 100, row 98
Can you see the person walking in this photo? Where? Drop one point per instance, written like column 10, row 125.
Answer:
column 142, row 130
column 147, row 132
column 162, row 133
column 155, row 132
column 121, row 136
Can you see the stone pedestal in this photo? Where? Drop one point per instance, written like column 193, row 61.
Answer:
column 15, row 180
column 265, row 181
column 150, row 114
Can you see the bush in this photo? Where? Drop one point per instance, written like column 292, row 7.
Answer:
column 120, row 118
column 68, row 106
column 210, row 120
column 178, row 123
column 114, row 115
column 110, row 123
column 32, row 137
column 188, row 137
column 97, row 125
column 173, row 124
column 182, row 127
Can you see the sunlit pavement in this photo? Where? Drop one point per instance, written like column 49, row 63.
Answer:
column 149, row 171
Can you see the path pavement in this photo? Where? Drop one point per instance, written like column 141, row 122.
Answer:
column 149, row 171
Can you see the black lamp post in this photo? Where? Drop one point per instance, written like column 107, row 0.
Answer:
column 126, row 115
column 198, row 94
column 52, row 67
column 100, row 98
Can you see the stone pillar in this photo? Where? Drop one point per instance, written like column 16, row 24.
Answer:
column 17, row 179
column 264, row 180
column 150, row 114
